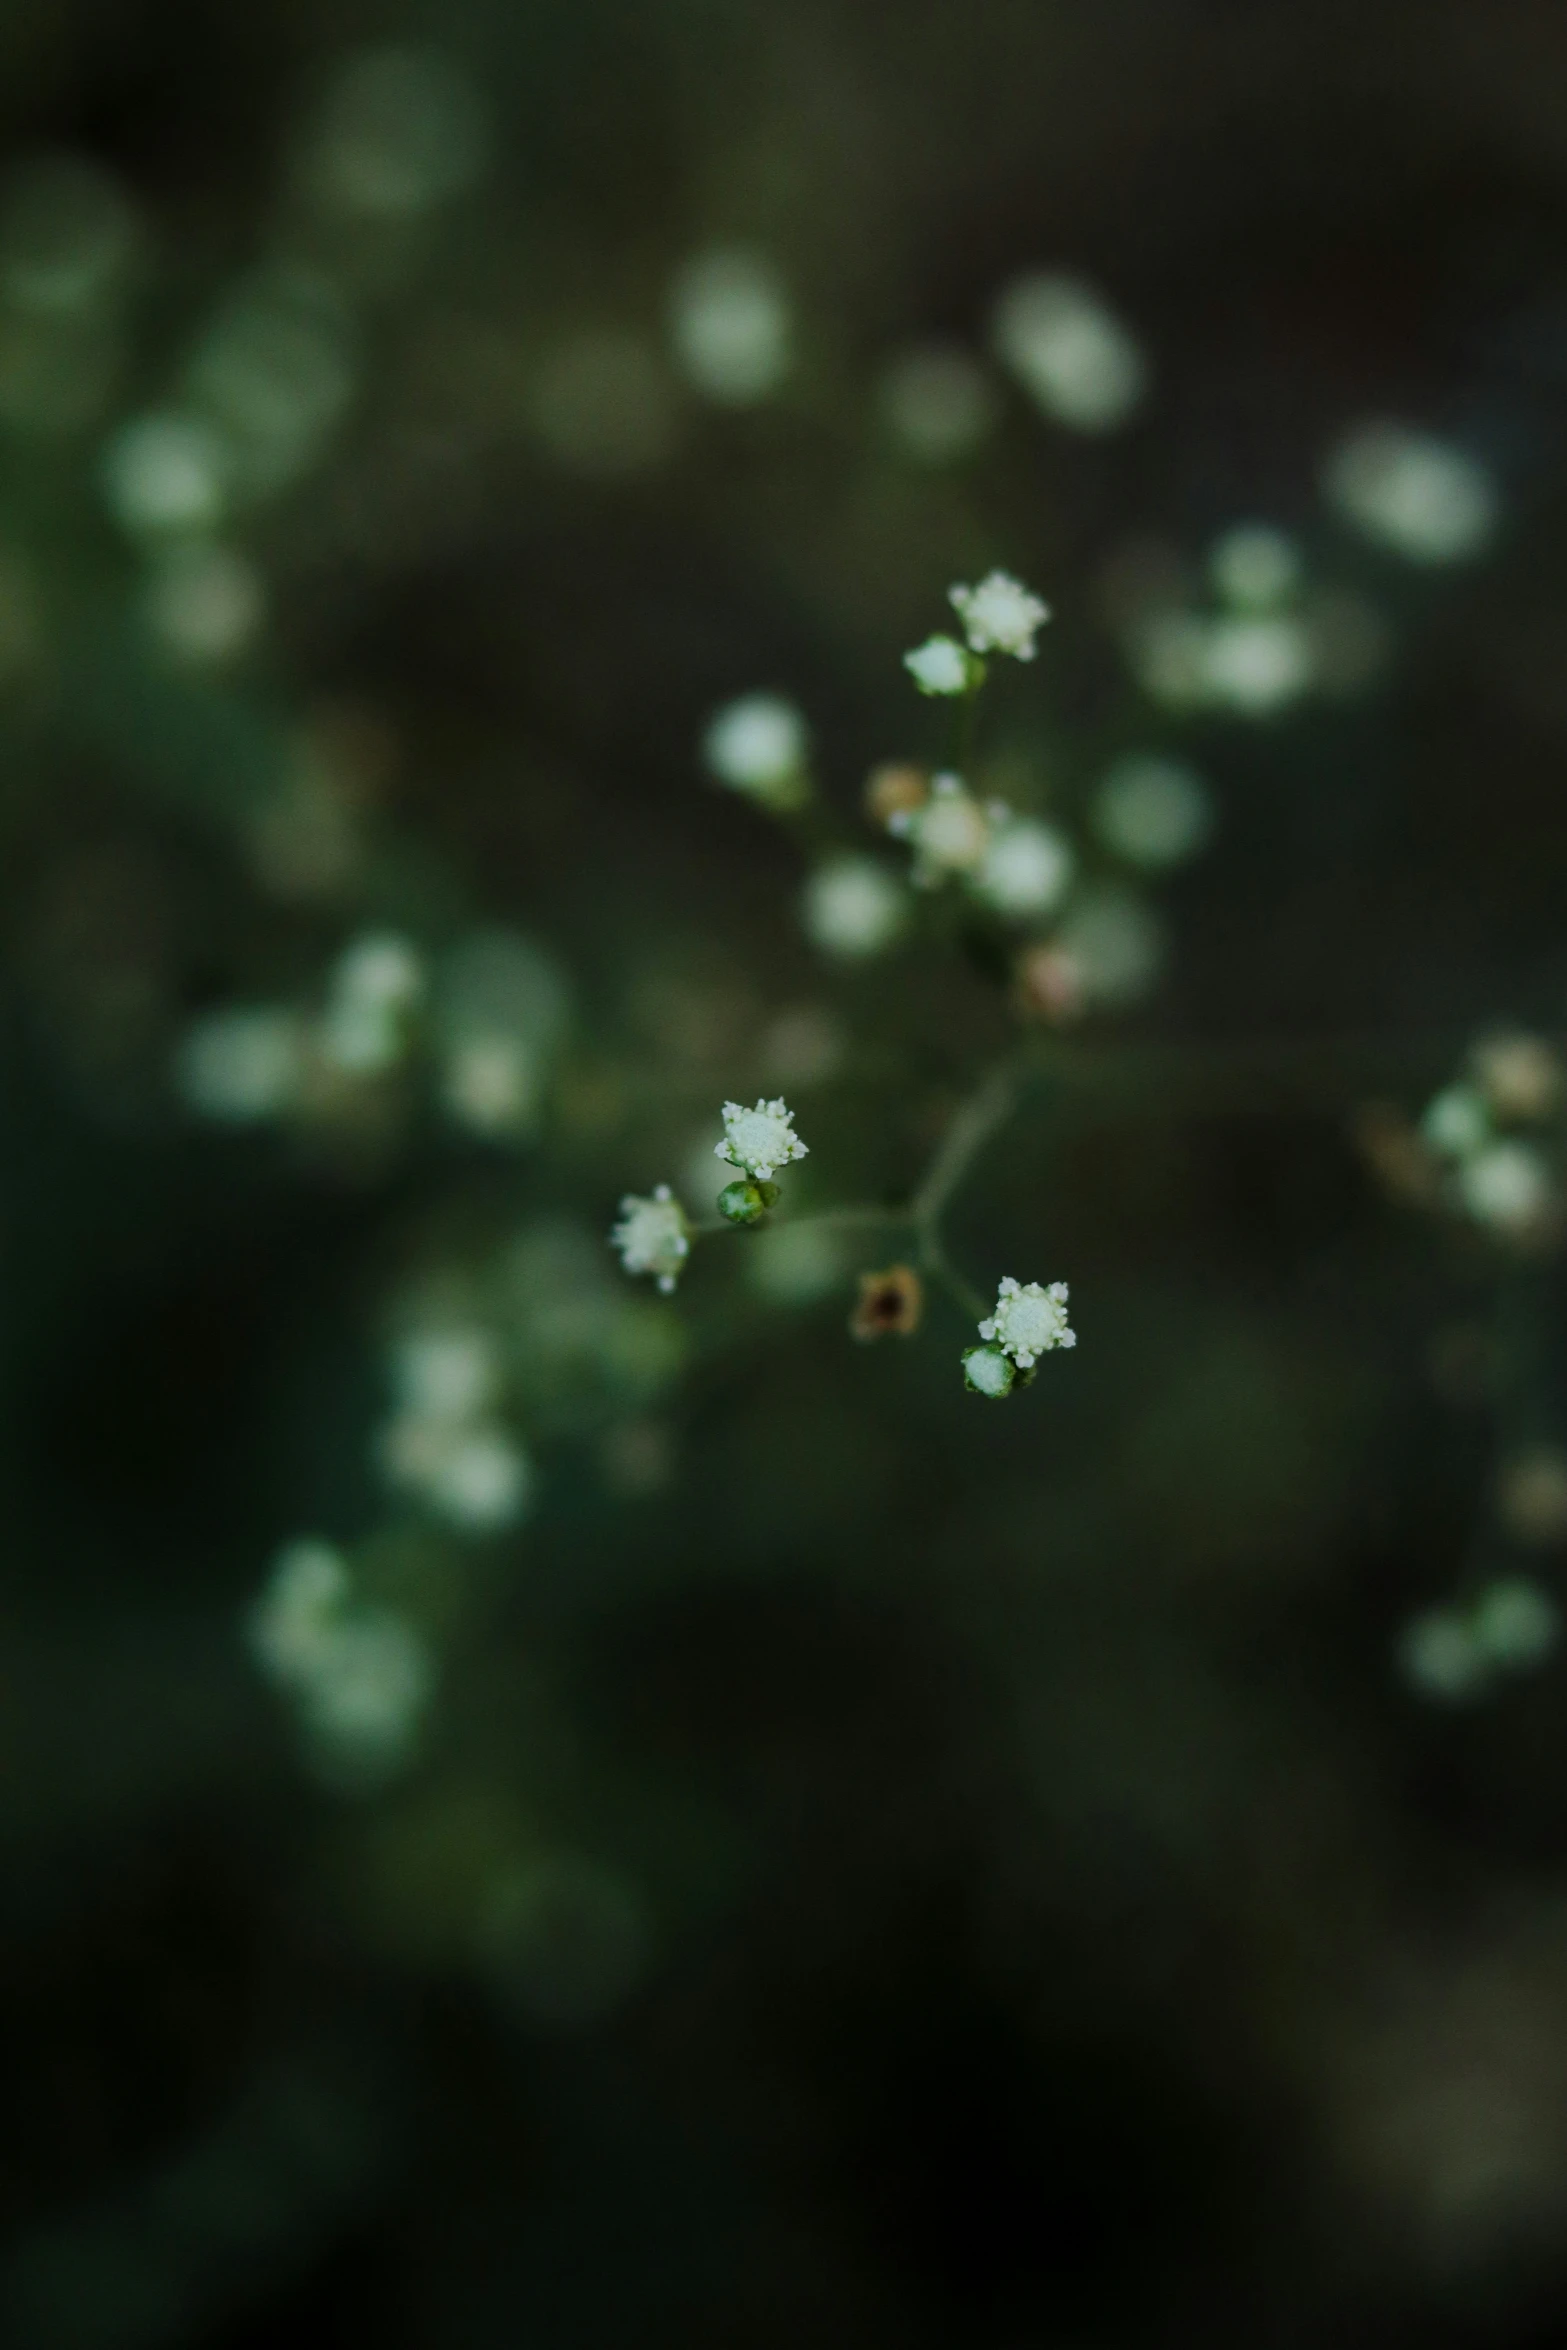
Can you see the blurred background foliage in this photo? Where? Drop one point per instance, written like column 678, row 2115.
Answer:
column 785, row 1852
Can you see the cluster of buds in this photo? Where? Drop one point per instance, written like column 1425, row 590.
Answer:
column 1488, row 1146
column 1028, row 1321
column 654, row 1234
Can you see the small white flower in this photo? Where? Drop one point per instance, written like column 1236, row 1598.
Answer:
column 1438, row 1655
column 1455, row 1122
column 1001, row 615
column 757, row 746
column 381, row 971
column 243, row 1065
column 1026, row 868
column 1419, row 496
column 1028, row 1321
column 853, row 907
column 293, row 1620
column 446, row 1374
column 1507, row 1187
column 1257, row 662
column 652, row 1236
column 939, row 666
column 1069, row 351
column 949, row 832
column 1516, row 1623
column 1254, row 566
column 756, row 1141
column 1153, row 812
column 373, row 1682
column 730, row 326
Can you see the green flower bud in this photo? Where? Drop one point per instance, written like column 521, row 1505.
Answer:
column 747, row 1201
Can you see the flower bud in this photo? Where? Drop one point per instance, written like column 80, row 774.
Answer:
column 747, row 1201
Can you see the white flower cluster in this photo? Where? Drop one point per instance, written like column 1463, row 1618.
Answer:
column 1019, row 866
column 445, row 1440
column 759, row 1141
column 653, row 1236
column 1000, row 615
column 491, row 1017
column 359, row 1674
column 1029, row 1321
column 1453, row 1654
column 1259, row 652
column 1494, row 1175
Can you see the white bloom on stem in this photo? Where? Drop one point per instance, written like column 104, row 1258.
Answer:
column 760, row 1140
column 1001, row 615
column 1028, row 1321
column 939, row 666
column 652, row 1236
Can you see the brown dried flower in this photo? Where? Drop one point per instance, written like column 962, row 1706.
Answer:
column 895, row 790
column 889, row 1305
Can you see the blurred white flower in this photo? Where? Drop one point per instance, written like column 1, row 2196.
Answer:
column 204, row 602
column 1516, row 1623
column 939, row 666
column 759, row 746
column 401, row 131
column 938, row 403
column 1438, row 1655
column 242, row 1065
column 1000, row 615
column 853, row 908
column 166, row 472
column 1257, row 663
column 1455, row 1122
column 446, row 1374
column 294, row 1616
column 653, row 1236
column 1028, row 1321
column 368, row 1688
column 949, row 831
column 1255, row 566
column 470, row 1470
column 360, row 1676
column 1412, row 493
column 1154, row 812
column 730, row 326
column 1069, row 351
column 760, row 1140
column 1506, row 1186
column 1115, row 944
column 1026, row 867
